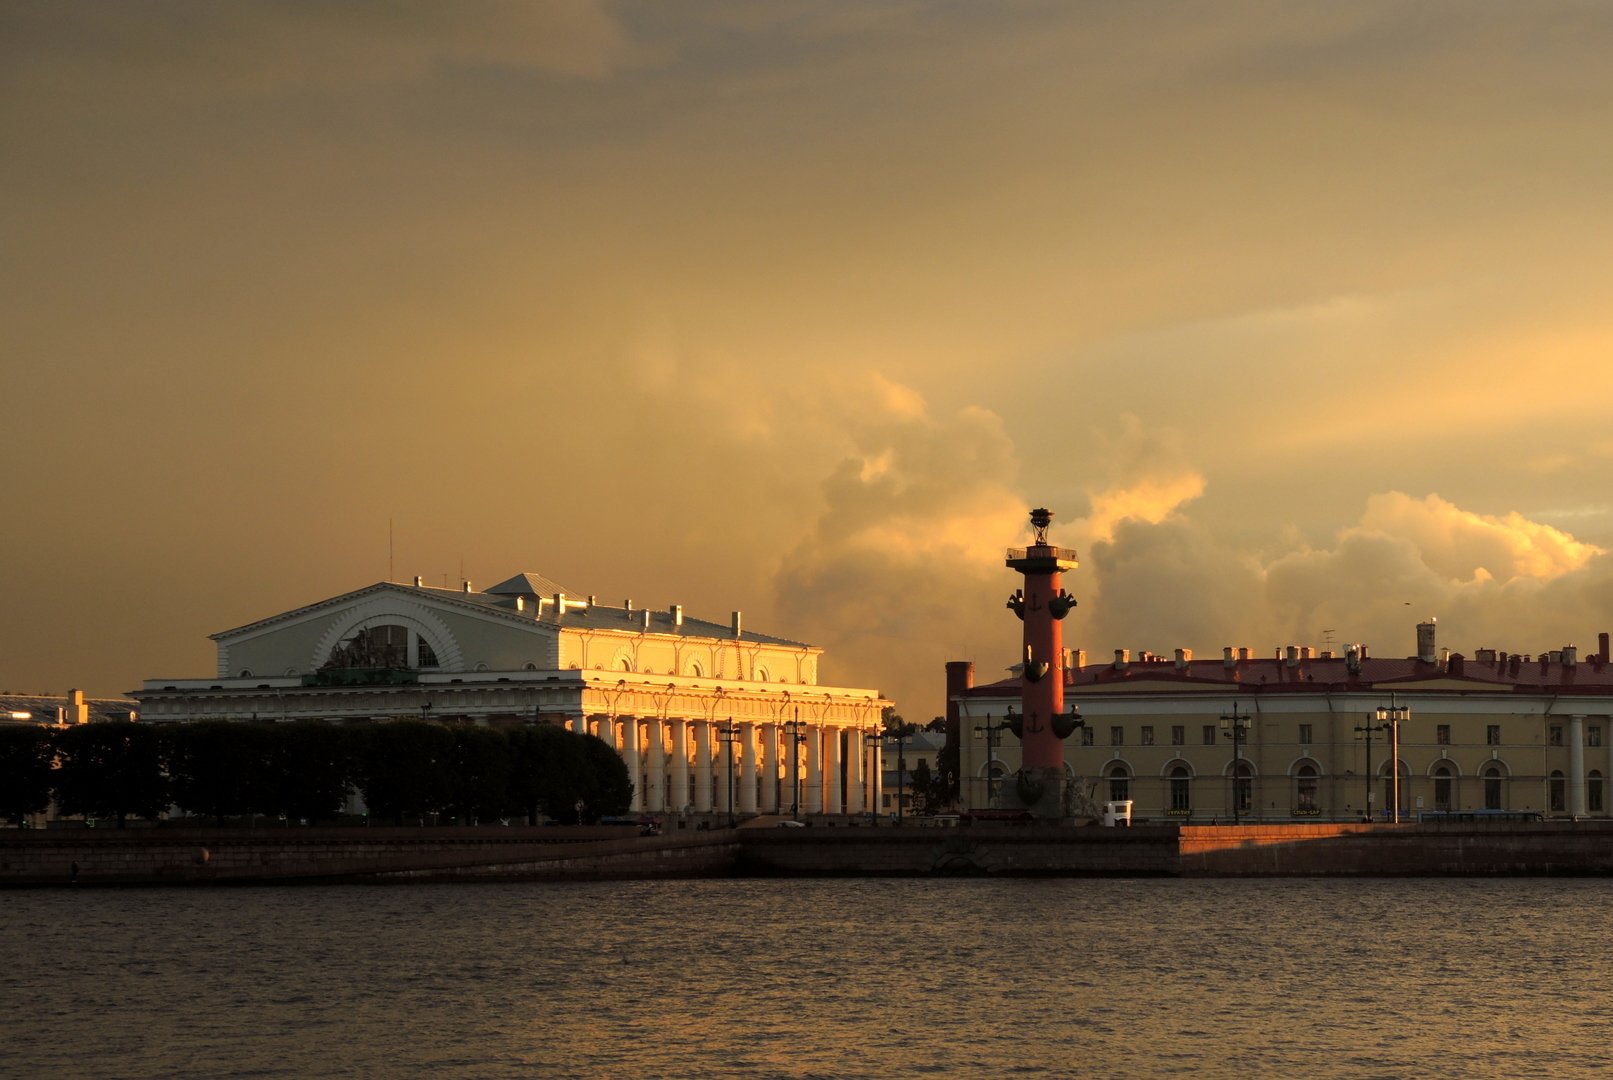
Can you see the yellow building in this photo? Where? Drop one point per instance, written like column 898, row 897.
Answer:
column 1307, row 736
column 709, row 717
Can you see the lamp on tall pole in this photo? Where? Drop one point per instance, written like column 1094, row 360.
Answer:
column 874, row 740
column 990, row 730
column 901, row 771
column 1389, row 718
column 796, row 739
column 729, row 733
column 1236, row 725
column 1365, row 731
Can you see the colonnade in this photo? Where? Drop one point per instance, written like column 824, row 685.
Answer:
column 681, row 765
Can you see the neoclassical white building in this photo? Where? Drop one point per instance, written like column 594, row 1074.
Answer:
column 707, row 716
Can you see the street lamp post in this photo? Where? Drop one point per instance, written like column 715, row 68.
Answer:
column 1365, row 731
column 874, row 740
column 796, row 739
column 1236, row 724
column 990, row 730
column 729, row 733
column 901, row 771
column 1389, row 718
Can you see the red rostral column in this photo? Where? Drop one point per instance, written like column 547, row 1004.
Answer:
column 1042, row 605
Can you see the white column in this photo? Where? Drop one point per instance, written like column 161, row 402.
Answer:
column 1576, row 765
column 747, row 768
column 702, row 766
column 678, row 798
column 856, row 755
column 630, row 756
column 832, row 746
column 607, row 734
column 812, row 783
column 768, row 760
column 655, row 781
column 579, row 724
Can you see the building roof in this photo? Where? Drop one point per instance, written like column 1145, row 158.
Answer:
column 578, row 612
column 526, row 584
column 1495, row 672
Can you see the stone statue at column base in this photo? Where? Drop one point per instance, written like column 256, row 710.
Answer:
column 1038, row 791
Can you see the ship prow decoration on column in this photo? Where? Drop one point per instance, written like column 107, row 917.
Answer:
column 1042, row 724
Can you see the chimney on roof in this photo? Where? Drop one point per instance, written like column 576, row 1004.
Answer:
column 559, row 602
column 1454, row 664
column 677, row 615
column 960, row 680
column 1352, row 659
column 1183, row 658
column 467, row 584
column 646, row 614
column 738, row 623
column 78, row 710
column 1293, row 656
column 1075, row 660
column 1227, row 659
column 627, row 605
column 1570, row 655
column 1601, row 646
column 1243, row 654
column 1484, row 656
column 1426, row 651
column 1122, row 659
column 1514, row 665
column 418, row 581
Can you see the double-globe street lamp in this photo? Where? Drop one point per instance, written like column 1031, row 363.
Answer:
column 1236, row 725
column 796, row 737
column 990, row 731
column 729, row 733
column 1385, row 718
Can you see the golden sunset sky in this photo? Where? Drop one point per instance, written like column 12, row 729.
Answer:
column 1297, row 314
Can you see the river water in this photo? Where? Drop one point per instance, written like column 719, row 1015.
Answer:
column 814, row 978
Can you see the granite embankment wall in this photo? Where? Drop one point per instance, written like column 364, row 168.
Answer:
column 975, row 849
column 243, row 856
column 1536, row 848
column 201, row 856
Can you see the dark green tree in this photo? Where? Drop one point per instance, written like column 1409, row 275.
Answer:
column 894, row 725
column 609, row 789
column 549, row 771
column 945, row 787
column 479, row 775
column 921, row 787
column 111, row 770
column 310, row 770
column 218, row 768
column 26, row 756
column 404, row 769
